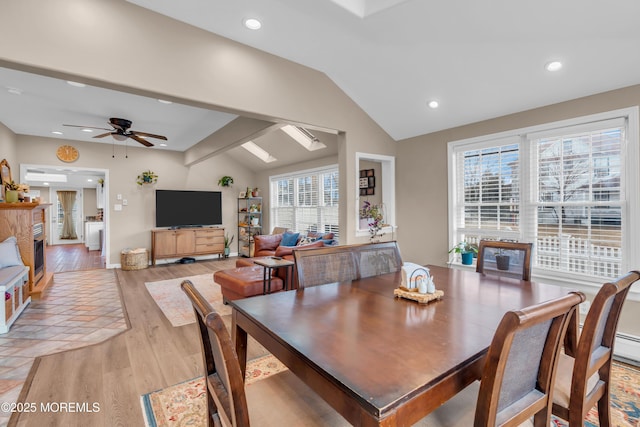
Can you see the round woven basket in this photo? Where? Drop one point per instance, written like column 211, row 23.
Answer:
column 137, row 260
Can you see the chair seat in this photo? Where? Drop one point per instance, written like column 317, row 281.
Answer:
column 562, row 389
column 459, row 411
column 284, row 400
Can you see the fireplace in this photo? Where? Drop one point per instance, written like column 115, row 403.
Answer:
column 38, row 261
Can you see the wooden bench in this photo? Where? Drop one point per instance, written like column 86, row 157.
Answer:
column 345, row 263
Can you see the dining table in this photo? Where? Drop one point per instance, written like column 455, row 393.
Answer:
column 377, row 359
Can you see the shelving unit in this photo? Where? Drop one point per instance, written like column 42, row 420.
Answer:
column 249, row 223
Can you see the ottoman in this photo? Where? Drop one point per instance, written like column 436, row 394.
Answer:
column 243, row 282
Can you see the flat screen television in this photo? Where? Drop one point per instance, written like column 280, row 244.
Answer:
column 183, row 208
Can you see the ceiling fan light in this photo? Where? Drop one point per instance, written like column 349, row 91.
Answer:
column 119, row 137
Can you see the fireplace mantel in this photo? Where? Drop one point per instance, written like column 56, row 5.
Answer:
column 27, row 222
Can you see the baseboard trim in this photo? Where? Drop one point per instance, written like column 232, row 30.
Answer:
column 627, row 348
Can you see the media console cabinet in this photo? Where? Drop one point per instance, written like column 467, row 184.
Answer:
column 183, row 242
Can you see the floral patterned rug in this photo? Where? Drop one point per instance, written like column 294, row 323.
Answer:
column 185, row 404
column 175, row 304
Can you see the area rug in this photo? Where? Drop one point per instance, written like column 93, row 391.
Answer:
column 175, row 304
column 185, row 404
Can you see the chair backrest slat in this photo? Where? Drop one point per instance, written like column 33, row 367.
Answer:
column 330, row 264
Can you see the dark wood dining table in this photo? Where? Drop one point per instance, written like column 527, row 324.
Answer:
column 379, row 360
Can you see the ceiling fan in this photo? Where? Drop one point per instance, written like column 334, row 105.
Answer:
column 121, row 132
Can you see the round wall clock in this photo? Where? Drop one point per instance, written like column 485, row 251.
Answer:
column 67, row 153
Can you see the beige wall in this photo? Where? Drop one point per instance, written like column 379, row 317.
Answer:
column 422, row 178
column 190, row 66
column 174, row 61
column 131, row 226
column 422, row 169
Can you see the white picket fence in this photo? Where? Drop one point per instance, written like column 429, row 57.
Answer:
column 578, row 255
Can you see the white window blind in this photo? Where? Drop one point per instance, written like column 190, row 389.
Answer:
column 563, row 188
column 578, row 202
column 488, row 191
column 306, row 201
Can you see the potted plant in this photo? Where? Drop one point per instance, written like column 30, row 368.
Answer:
column 225, row 181
column 147, row 177
column 502, row 260
column 371, row 216
column 227, row 245
column 466, row 251
column 254, row 192
column 12, row 192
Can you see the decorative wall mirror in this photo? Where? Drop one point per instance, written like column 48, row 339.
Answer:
column 375, row 184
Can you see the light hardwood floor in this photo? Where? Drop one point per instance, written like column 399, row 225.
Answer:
column 151, row 355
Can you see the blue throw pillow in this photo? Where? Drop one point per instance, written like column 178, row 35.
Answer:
column 328, row 242
column 289, row 239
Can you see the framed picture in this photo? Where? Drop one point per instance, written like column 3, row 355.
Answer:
column 371, row 182
column 370, row 191
column 242, row 195
column 369, row 172
column 364, row 182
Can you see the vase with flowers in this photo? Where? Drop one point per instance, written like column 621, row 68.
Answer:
column 15, row 192
column 372, row 217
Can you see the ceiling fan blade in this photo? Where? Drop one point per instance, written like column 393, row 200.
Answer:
column 87, row 127
column 102, row 135
column 150, row 135
column 141, row 140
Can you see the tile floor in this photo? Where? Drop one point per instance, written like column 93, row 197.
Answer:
column 79, row 308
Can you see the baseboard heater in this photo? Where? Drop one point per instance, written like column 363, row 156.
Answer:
column 627, row 349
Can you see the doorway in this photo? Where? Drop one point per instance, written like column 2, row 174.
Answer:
column 66, row 218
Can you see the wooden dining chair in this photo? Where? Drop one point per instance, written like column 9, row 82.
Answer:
column 320, row 266
column 518, row 375
column 279, row 400
column 585, row 366
column 379, row 258
column 504, row 258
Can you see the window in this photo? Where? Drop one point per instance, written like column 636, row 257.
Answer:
column 562, row 186
column 306, row 201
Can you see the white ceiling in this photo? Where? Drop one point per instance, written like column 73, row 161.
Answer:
column 478, row 59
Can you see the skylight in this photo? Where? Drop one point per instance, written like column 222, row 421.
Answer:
column 364, row 8
column 303, row 137
column 251, row 147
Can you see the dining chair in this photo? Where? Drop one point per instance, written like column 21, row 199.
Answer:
column 379, row 258
column 518, row 375
column 504, row 258
column 320, row 266
column 585, row 366
column 279, row 400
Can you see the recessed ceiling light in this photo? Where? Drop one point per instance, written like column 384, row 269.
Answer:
column 433, row 104
column 553, row 66
column 164, row 101
column 87, row 130
column 56, row 132
column 14, row 91
column 252, row 24
column 163, row 144
column 76, row 84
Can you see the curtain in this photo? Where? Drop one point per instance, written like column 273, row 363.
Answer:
column 67, row 200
